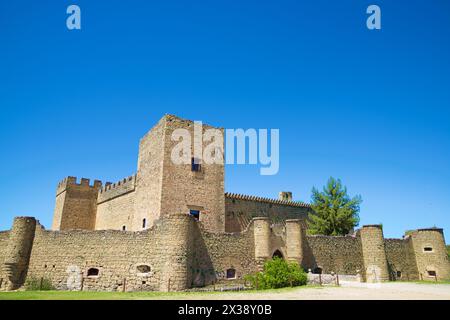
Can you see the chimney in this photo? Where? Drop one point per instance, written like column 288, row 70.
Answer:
column 285, row 196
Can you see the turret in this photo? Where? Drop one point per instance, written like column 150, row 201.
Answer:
column 431, row 254
column 18, row 252
column 177, row 252
column 76, row 204
column 262, row 240
column 374, row 254
column 294, row 240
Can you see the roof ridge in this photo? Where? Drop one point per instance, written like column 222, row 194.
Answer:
column 266, row 200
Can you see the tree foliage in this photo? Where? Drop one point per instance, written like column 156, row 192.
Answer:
column 335, row 213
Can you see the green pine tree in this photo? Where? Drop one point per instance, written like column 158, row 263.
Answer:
column 335, row 213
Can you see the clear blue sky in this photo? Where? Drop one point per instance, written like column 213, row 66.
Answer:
column 369, row 107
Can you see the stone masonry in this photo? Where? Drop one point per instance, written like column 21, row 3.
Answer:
column 172, row 227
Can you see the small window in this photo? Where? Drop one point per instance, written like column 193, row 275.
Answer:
column 231, row 274
column 428, row 249
column 144, row 223
column 195, row 214
column 195, row 165
column 431, row 273
column 93, row 272
column 124, row 228
column 399, row 274
column 143, row 269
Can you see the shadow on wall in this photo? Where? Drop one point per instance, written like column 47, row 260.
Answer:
column 202, row 267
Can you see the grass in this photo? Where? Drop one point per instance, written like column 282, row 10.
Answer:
column 77, row 295
column 433, row 282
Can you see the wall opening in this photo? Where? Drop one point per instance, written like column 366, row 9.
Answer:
column 195, row 214
column 399, row 274
column 195, row 165
column 431, row 273
column 231, row 274
column 143, row 269
column 144, row 223
column 428, row 249
column 278, row 254
column 93, row 272
column 124, row 228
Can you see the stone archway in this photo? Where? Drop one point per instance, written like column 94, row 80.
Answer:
column 278, row 254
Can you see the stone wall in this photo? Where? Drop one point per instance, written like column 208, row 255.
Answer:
column 241, row 209
column 216, row 253
column 401, row 260
column 149, row 176
column 65, row 258
column 4, row 237
column 333, row 254
column 117, row 213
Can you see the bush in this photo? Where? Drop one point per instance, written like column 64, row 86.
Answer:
column 38, row 284
column 278, row 274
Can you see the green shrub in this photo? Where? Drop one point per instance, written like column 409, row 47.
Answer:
column 38, row 284
column 278, row 274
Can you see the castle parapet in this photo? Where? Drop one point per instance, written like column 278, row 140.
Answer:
column 114, row 190
column 72, row 182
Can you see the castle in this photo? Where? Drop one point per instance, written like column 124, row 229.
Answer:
column 172, row 227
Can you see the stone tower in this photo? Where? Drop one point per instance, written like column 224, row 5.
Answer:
column 431, row 254
column 262, row 233
column 294, row 240
column 374, row 254
column 18, row 252
column 177, row 252
column 164, row 187
column 76, row 204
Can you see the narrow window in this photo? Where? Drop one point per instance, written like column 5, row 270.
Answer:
column 195, row 165
column 93, row 272
column 195, row 214
column 231, row 274
column 144, row 223
column 431, row 273
column 428, row 249
column 124, row 228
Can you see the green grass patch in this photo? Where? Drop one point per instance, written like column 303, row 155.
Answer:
column 433, row 282
column 77, row 295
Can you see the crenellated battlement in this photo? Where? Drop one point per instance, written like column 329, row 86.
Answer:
column 114, row 190
column 73, row 181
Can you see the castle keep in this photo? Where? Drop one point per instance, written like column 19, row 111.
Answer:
column 172, row 227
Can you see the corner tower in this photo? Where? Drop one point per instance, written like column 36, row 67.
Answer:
column 431, row 254
column 76, row 204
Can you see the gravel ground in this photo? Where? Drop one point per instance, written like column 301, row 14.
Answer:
column 348, row 291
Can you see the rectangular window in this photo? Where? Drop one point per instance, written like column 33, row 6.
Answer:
column 195, row 165
column 144, row 223
column 431, row 273
column 124, row 228
column 195, row 214
column 428, row 249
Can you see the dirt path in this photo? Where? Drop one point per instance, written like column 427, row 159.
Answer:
column 386, row 291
